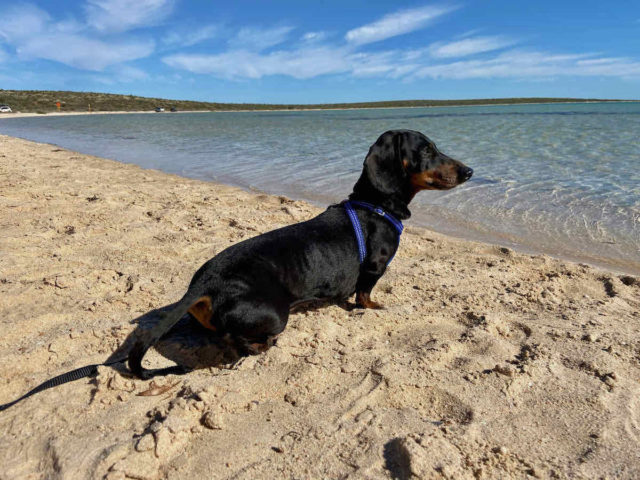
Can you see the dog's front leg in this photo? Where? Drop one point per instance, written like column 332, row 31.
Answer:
column 366, row 281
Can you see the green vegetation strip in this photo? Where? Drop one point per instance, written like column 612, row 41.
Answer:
column 45, row 101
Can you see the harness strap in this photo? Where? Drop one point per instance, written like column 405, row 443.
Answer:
column 357, row 228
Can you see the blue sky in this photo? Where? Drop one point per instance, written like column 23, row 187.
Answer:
column 323, row 51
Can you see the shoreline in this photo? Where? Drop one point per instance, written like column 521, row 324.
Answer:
column 58, row 114
column 613, row 265
column 485, row 363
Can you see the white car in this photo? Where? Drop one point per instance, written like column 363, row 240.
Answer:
column 5, row 109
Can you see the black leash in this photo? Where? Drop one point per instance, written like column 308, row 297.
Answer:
column 77, row 374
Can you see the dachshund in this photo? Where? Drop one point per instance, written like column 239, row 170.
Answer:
column 245, row 293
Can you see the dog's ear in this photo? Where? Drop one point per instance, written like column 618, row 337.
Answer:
column 384, row 163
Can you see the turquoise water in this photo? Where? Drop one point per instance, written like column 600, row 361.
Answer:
column 561, row 179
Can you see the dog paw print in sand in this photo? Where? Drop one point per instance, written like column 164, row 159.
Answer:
column 389, row 384
column 167, row 434
column 431, row 402
column 606, row 375
column 427, row 455
column 436, row 454
column 497, row 325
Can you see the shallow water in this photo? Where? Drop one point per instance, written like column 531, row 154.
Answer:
column 561, row 179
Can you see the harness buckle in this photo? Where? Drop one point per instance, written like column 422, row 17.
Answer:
column 379, row 211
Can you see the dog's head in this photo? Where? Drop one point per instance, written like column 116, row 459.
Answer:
column 405, row 162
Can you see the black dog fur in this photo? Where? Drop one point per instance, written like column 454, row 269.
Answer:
column 245, row 292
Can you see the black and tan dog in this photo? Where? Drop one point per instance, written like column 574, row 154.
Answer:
column 245, row 292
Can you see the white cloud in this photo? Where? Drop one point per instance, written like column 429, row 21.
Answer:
column 258, row 39
column 397, row 23
column 469, row 33
column 122, row 15
column 468, row 46
column 303, row 63
column 22, row 22
column 531, row 65
column 81, row 52
column 33, row 34
column 609, row 67
column 601, row 61
column 186, row 38
column 390, row 63
column 314, row 37
column 98, row 45
column 308, row 62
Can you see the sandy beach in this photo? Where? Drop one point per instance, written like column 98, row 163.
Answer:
column 484, row 364
column 67, row 114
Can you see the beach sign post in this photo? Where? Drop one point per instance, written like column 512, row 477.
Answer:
column 58, row 104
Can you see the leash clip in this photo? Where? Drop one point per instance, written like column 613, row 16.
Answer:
column 380, row 211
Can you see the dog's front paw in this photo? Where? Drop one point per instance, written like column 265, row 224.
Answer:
column 363, row 300
column 374, row 305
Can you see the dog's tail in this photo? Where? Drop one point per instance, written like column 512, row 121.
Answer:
column 148, row 337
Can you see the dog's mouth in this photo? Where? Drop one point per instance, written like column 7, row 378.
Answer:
column 443, row 177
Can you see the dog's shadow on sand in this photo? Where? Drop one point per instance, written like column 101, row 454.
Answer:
column 190, row 345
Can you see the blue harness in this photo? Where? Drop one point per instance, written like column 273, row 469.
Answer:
column 357, row 229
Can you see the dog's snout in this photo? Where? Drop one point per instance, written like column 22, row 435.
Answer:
column 465, row 174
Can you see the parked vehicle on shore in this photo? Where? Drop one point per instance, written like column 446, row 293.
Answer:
column 159, row 109
column 5, row 109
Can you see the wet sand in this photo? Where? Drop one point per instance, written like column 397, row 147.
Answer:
column 485, row 363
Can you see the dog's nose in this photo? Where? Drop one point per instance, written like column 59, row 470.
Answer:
column 465, row 174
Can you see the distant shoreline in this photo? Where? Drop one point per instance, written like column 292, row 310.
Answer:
column 40, row 102
column 122, row 112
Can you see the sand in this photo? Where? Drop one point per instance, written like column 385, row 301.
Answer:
column 485, row 363
column 73, row 114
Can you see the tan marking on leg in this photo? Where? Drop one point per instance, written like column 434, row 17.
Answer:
column 203, row 311
column 364, row 300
